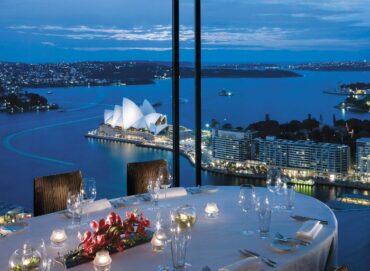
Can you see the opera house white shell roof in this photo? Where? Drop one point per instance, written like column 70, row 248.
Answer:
column 129, row 115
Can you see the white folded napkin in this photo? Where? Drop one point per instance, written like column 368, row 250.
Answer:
column 4, row 231
column 96, row 206
column 172, row 192
column 250, row 263
column 9, row 229
column 309, row 229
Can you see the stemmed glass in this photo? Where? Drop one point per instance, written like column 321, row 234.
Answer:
column 166, row 180
column 74, row 205
column 274, row 184
column 163, row 232
column 88, row 192
column 153, row 189
column 247, row 200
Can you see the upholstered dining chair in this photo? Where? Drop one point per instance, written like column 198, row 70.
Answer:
column 50, row 192
column 140, row 173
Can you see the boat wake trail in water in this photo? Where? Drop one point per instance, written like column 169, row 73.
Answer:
column 8, row 145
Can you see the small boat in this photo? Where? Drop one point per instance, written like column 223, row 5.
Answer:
column 225, row 93
column 50, row 92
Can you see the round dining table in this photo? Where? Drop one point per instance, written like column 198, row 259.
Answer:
column 215, row 242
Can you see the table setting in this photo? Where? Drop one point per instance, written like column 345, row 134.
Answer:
column 200, row 228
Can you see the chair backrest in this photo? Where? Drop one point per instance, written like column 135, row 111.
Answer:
column 140, row 173
column 50, row 192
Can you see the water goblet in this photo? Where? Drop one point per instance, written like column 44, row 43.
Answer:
column 274, row 184
column 88, row 193
column 180, row 239
column 153, row 189
column 264, row 217
column 289, row 194
column 89, row 190
column 163, row 233
column 166, row 180
column 74, row 205
column 247, row 198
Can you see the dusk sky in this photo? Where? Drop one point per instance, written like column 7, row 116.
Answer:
column 233, row 30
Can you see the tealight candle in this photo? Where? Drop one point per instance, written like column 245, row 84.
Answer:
column 211, row 209
column 157, row 244
column 102, row 261
column 58, row 236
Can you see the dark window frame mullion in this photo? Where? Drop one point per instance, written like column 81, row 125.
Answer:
column 175, row 91
column 198, row 94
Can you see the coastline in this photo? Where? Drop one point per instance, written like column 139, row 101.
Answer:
column 139, row 143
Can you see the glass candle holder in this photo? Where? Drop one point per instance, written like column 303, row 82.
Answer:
column 102, row 261
column 211, row 210
column 25, row 259
column 185, row 216
column 58, row 237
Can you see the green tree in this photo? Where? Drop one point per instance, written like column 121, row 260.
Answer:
column 214, row 123
column 227, row 126
column 310, row 123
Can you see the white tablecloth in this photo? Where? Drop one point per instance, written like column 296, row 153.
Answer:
column 215, row 242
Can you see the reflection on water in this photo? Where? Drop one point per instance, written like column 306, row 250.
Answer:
column 324, row 193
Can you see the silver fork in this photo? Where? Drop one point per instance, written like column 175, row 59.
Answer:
column 267, row 261
column 296, row 240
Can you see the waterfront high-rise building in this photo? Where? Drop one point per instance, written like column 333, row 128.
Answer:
column 303, row 155
column 363, row 156
column 232, row 145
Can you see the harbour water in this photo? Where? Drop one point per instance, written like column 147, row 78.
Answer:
column 42, row 143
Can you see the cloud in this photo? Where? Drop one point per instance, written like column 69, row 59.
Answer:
column 350, row 11
column 22, row 27
column 97, row 49
column 83, row 32
column 159, row 37
column 48, row 43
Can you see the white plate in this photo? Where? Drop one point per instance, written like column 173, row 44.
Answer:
column 283, row 246
column 209, row 188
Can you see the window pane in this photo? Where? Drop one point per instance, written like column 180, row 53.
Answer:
column 84, row 56
column 271, row 67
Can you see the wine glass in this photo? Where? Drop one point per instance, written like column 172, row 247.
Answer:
column 153, row 189
column 88, row 193
column 74, row 205
column 166, row 180
column 274, row 184
column 89, row 190
column 247, row 199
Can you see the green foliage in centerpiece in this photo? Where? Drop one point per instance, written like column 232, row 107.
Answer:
column 185, row 216
column 30, row 264
column 112, row 234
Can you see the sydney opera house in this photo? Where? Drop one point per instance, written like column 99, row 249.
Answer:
column 130, row 116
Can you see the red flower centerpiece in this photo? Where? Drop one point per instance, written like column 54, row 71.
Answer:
column 113, row 234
